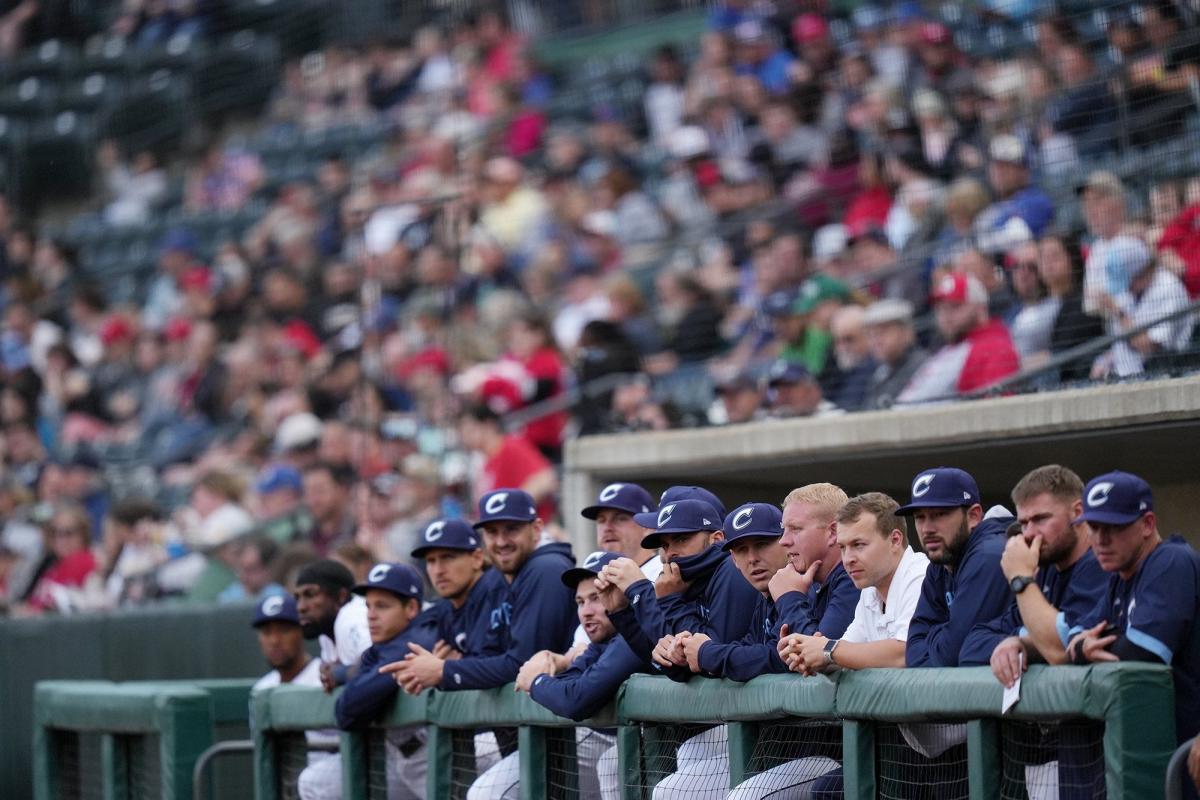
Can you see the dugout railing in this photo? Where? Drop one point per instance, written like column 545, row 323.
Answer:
column 135, row 740
column 1102, row 730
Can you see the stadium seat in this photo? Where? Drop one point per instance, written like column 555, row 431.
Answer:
column 110, row 56
column 51, row 59
column 61, row 152
column 96, row 94
column 29, row 98
column 180, row 54
column 238, row 74
column 13, row 142
column 153, row 112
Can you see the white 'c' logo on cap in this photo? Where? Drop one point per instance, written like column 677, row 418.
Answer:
column 593, row 560
column 378, row 573
column 921, row 485
column 272, row 606
column 495, row 503
column 1098, row 495
column 664, row 514
column 435, row 531
column 742, row 518
column 610, row 492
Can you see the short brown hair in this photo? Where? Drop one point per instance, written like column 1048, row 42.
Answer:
column 1052, row 479
column 825, row 496
column 879, row 505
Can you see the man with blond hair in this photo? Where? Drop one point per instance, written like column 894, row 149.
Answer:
column 873, row 541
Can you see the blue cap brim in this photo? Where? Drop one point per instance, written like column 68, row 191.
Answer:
column 572, row 577
column 1108, row 517
column 728, row 544
column 647, row 519
column 425, row 548
column 363, row 587
column 911, row 508
column 479, row 525
column 591, row 512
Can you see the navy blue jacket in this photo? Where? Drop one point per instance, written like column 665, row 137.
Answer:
column 1074, row 591
column 826, row 607
column 592, row 681
column 537, row 613
column 469, row 628
column 369, row 693
column 954, row 602
column 1158, row 611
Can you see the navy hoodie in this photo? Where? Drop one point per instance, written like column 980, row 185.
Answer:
column 536, row 613
column 592, row 681
column 827, row 607
column 469, row 628
column 369, row 693
column 1074, row 591
column 954, row 602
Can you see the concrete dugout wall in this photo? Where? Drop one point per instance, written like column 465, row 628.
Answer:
column 1150, row 428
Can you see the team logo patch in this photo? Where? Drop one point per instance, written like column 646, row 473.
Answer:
column 920, row 486
column 435, row 531
column 378, row 573
column 272, row 606
column 1098, row 495
column 592, row 562
column 611, row 491
column 664, row 514
column 742, row 518
column 495, row 504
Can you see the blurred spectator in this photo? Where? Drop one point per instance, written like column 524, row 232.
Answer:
column 1179, row 247
column 794, row 392
column 279, row 490
column 134, row 189
column 1138, row 294
column 506, row 460
column 663, row 101
column 1033, row 324
column 1083, row 108
column 134, row 549
column 978, row 351
column 1021, row 211
column 1060, row 268
column 1103, row 200
column 852, row 355
column 894, row 351
column 327, row 497
column 739, row 399
column 531, row 344
column 223, row 180
column 69, row 560
column 255, row 565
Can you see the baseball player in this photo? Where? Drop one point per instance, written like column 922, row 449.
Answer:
column 279, row 635
column 1150, row 606
column 392, row 595
column 875, row 554
column 964, row 585
column 330, row 613
column 454, row 562
column 590, row 683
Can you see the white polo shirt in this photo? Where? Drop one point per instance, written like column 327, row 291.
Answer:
column 872, row 623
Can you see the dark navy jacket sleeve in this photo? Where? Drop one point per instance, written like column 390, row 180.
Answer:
column 541, row 617
column 977, row 648
column 369, row 693
column 952, row 604
column 647, row 609
column 627, row 625
column 728, row 605
column 753, row 655
column 1088, row 588
column 590, row 684
column 830, row 610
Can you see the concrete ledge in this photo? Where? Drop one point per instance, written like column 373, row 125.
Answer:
column 757, row 444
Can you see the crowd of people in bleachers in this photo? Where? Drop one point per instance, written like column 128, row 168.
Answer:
column 800, row 214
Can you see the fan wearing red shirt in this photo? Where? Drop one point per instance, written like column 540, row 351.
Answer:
column 509, row 460
column 978, row 351
column 68, row 540
column 531, row 342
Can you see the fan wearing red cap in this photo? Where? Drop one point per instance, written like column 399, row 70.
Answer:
column 978, row 350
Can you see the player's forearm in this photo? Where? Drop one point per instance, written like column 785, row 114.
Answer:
column 864, row 655
column 1041, row 625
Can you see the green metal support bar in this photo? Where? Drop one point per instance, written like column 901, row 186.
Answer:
column 983, row 759
column 440, row 747
column 858, row 759
column 629, row 760
column 743, row 736
column 114, row 768
column 531, row 749
column 355, row 752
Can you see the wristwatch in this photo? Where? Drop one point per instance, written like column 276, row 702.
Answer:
column 1020, row 583
column 830, row 646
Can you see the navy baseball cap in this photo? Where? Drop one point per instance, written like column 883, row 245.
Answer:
column 677, row 493
column 787, row 373
column 681, row 516
column 507, row 505
column 1116, row 498
column 399, row 579
column 447, row 534
column 278, row 477
column 752, row 521
column 276, row 608
column 623, row 497
column 590, row 567
column 941, row 487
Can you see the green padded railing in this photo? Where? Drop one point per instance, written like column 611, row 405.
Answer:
column 145, row 736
